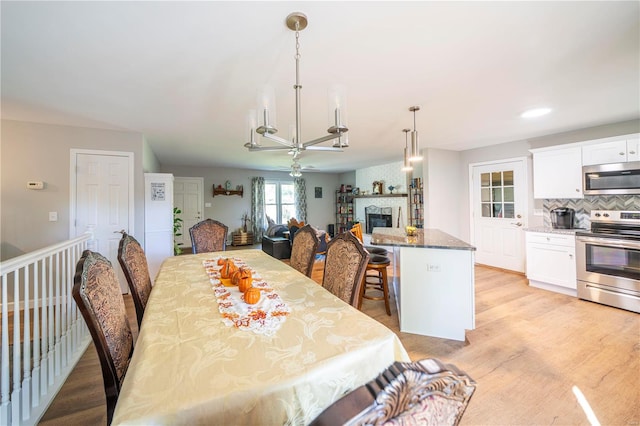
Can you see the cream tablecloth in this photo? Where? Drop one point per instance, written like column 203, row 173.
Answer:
column 190, row 368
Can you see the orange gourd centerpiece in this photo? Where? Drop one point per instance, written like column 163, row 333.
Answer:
column 244, row 279
column 227, row 268
column 252, row 295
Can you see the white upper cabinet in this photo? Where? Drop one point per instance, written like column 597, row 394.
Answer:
column 557, row 173
column 611, row 150
column 633, row 145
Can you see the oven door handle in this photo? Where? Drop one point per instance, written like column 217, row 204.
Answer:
column 609, row 242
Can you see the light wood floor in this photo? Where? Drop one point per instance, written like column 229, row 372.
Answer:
column 529, row 349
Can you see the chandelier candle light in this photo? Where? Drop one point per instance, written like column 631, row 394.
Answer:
column 337, row 112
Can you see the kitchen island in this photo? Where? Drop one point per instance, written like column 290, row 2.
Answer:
column 433, row 280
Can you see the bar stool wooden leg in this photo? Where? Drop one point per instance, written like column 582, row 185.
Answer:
column 385, row 289
column 381, row 284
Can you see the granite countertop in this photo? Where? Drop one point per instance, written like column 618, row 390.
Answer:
column 424, row 238
column 548, row 230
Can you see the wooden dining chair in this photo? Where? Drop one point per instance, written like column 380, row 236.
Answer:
column 208, row 235
column 97, row 293
column 136, row 270
column 425, row 392
column 303, row 250
column 344, row 267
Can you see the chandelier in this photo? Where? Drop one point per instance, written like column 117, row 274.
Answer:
column 295, row 146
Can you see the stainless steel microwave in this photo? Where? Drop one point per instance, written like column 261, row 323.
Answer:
column 616, row 178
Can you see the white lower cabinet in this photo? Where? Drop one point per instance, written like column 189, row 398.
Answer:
column 551, row 261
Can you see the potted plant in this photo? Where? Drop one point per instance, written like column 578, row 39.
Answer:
column 245, row 219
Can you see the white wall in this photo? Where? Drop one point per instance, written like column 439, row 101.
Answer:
column 229, row 209
column 41, row 152
column 150, row 163
column 389, row 174
column 443, row 185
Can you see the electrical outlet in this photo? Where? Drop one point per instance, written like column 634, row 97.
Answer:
column 433, row 267
column 53, row 216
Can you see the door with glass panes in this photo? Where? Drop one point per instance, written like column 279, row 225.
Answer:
column 499, row 212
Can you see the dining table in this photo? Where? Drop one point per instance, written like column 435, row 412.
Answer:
column 205, row 356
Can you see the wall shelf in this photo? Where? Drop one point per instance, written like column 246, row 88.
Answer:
column 380, row 196
column 222, row 191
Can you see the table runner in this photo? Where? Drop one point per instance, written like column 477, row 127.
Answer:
column 265, row 317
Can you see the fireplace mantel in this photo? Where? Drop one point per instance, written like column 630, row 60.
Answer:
column 380, row 195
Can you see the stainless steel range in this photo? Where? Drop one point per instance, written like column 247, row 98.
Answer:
column 608, row 259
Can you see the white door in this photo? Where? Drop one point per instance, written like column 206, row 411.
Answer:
column 499, row 209
column 103, row 201
column 188, row 196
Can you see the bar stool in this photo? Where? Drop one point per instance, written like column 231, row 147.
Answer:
column 357, row 231
column 378, row 264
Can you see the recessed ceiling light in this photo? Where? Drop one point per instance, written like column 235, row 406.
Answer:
column 535, row 112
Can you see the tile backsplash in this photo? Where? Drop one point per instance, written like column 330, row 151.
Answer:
column 584, row 206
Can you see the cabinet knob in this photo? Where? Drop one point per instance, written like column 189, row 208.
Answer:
column 632, row 152
column 570, row 256
column 621, row 153
column 577, row 189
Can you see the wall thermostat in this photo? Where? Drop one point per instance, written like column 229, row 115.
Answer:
column 35, row 185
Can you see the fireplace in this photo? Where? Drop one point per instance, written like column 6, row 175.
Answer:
column 378, row 217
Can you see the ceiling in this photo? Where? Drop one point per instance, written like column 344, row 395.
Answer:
column 185, row 74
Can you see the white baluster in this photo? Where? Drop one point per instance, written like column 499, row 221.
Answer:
column 15, row 393
column 26, row 352
column 5, row 402
column 63, row 309
column 50, row 334
column 35, row 384
column 56, row 350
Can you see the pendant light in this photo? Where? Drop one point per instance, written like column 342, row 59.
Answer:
column 415, row 146
column 406, row 167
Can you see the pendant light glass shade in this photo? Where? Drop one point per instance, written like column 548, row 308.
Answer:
column 252, row 138
column 337, row 108
column 267, row 109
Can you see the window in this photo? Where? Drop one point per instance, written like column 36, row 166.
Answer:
column 279, row 203
column 497, row 194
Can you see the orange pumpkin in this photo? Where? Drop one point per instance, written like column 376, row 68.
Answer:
column 234, row 276
column 221, row 260
column 252, row 295
column 227, row 268
column 244, row 279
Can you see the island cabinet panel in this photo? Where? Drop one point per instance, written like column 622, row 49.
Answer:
column 433, row 281
column 437, row 292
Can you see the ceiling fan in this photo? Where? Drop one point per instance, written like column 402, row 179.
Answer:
column 296, row 168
